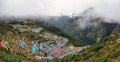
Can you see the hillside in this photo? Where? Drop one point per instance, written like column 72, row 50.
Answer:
column 73, row 39
column 31, row 40
column 6, row 56
column 104, row 51
column 52, row 28
column 89, row 27
column 59, row 30
column 5, row 26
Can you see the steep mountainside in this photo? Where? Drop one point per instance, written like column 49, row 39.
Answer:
column 58, row 21
column 107, row 50
column 89, row 27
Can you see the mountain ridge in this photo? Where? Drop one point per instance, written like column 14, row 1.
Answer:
column 88, row 25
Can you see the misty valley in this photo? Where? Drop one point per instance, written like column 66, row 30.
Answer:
column 59, row 31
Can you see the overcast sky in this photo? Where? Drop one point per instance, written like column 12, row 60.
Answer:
column 108, row 8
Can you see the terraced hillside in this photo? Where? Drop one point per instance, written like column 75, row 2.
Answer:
column 107, row 50
column 32, row 37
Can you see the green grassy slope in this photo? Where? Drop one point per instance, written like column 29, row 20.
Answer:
column 105, row 51
column 6, row 56
column 4, row 27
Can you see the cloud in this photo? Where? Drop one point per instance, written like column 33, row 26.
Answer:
column 107, row 8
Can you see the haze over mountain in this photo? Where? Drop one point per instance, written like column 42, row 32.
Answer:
column 59, row 30
column 57, row 12
column 89, row 26
column 24, row 8
column 88, row 19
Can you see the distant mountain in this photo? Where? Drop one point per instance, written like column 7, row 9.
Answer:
column 86, row 28
column 89, row 27
column 58, row 21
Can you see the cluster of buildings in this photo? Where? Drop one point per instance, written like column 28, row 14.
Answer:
column 26, row 28
column 54, row 47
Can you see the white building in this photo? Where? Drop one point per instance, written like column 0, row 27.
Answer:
column 36, row 30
